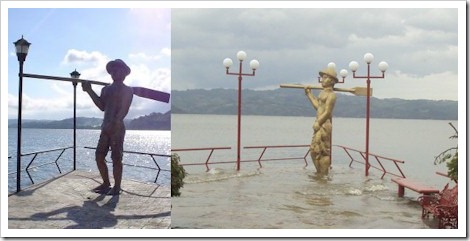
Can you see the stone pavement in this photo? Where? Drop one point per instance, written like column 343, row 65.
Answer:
column 67, row 202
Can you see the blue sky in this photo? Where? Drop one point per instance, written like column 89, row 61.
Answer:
column 85, row 39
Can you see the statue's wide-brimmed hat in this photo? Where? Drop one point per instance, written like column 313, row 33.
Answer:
column 330, row 72
column 117, row 64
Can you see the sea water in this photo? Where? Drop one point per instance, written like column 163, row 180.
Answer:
column 38, row 140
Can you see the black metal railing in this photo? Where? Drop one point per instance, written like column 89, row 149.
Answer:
column 35, row 154
column 61, row 151
column 152, row 155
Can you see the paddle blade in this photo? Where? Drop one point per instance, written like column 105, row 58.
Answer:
column 361, row 91
column 152, row 94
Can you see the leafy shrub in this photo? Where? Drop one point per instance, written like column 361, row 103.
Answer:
column 451, row 157
column 177, row 175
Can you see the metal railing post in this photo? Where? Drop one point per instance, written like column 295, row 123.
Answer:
column 18, row 148
column 74, row 126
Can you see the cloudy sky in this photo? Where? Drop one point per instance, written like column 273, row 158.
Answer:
column 420, row 45
column 65, row 39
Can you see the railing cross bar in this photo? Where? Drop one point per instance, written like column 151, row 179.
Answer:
column 29, row 164
column 57, row 159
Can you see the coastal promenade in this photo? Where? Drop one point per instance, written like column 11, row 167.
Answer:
column 67, row 202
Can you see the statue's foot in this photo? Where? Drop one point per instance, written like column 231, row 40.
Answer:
column 114, row 191
column 102, row 189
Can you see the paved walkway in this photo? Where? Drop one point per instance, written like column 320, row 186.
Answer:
column 67, row 202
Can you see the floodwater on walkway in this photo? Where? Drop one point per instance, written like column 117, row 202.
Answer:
column 287, row 195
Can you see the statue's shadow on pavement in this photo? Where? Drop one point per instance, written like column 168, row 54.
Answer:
column 91, row 215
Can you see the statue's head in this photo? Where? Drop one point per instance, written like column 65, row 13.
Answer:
column 118, row 69
column 329, row 73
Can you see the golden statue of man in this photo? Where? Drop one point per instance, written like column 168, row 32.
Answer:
column 322, row 128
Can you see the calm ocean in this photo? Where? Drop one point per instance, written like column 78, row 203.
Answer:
column 285, row 194
column 34, row 140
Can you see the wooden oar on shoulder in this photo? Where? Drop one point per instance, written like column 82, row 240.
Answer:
column 152, row 94
column 139, row 91
column 359, row 91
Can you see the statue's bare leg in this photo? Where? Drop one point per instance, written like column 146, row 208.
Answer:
column 313, row 155
column 103, row 169
column 116, row 155
column 325, row 163
column 117, row 173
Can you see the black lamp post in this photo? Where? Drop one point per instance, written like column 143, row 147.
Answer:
column 75, row 75
column 22, row 47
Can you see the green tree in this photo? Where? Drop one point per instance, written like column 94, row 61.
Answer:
column 177, row 175
column 450, row 157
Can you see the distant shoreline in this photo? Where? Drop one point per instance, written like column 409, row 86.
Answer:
column 313, row 116
column 153, row 121
column 291, row 102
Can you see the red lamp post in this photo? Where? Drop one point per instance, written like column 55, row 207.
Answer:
column 353, row 65
column 254, row 64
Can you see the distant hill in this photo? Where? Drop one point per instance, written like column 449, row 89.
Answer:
column 153, row 121
column 292, row 102
column 82, row 123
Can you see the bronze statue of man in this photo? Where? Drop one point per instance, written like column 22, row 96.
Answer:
column 321, row 141
column 115, row 101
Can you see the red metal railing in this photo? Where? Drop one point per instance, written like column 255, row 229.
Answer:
column 446, row 175
column 377, row 158
column 349, row 151
column 259, row 159
column 212, row 149
column 278, row 159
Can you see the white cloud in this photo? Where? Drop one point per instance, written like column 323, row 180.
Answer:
column 438, row 86
column 12, row 101
column 144, row 76
column 60, row 104
column 74, row 56
column 166, row 52
column 144, row 57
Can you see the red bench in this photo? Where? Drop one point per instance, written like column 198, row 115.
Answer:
column 417, row 187
column 443, row 206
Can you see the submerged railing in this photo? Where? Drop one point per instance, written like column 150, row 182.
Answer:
column 278, row 159
column 349, row 151
column 211, row 149
column 259, row 159
column 377, row 158
column 62, row 150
